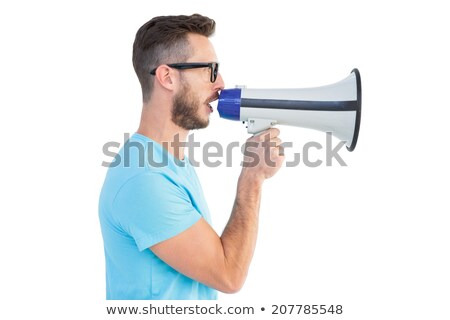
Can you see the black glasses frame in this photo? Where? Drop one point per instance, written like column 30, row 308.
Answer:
column 213, row 66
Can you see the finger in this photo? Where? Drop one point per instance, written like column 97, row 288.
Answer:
column 275, row 142
column 281, row 150
column 268, row 134
column 274, row 132
column 277, row 154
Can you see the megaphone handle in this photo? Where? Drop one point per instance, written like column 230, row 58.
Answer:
column 256, row 126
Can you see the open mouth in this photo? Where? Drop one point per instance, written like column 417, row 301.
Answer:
column 215, row 98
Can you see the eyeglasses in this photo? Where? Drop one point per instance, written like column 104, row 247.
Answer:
column 213, row 66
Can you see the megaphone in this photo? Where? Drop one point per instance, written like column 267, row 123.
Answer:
column 332, row 108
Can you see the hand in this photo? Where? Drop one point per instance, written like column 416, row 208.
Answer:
column 263, row 154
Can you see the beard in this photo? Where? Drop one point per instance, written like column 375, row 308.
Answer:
column 185, row 111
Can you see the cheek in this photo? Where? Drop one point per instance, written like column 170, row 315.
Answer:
column 196, row 98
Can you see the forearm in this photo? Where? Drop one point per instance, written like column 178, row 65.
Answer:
column 240, row 234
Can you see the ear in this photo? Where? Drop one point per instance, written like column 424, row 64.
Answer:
column 166, row 77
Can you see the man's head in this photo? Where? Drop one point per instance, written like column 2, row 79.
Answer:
column 164, row 40
column 178, row 69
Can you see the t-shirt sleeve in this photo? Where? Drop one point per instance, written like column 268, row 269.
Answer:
column 152, row 208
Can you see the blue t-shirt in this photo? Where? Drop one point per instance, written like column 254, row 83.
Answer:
column 148, row 196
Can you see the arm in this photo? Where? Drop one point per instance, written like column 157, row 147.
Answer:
column 222, row 262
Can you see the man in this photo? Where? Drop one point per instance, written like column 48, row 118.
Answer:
column 158, row 240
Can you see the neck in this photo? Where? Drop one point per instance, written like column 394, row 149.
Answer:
column 161, row 129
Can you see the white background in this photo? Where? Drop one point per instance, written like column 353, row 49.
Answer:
column 372, row 236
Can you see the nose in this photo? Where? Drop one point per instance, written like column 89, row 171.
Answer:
column 219, row 84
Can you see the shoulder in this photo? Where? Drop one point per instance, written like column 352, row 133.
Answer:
column 149, row 183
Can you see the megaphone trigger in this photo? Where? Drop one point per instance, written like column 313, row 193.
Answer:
column 256, row 126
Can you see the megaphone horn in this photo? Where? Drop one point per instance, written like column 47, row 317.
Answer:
column 332, row 108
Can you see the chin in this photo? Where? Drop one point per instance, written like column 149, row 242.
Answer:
column 202, row 125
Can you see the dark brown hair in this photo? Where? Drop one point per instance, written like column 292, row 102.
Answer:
column 163, row 40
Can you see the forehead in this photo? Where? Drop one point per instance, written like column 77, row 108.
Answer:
column 201, row 48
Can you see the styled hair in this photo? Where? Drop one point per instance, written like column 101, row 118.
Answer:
column 163, row 40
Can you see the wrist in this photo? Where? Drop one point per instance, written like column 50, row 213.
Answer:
column 250, row 179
